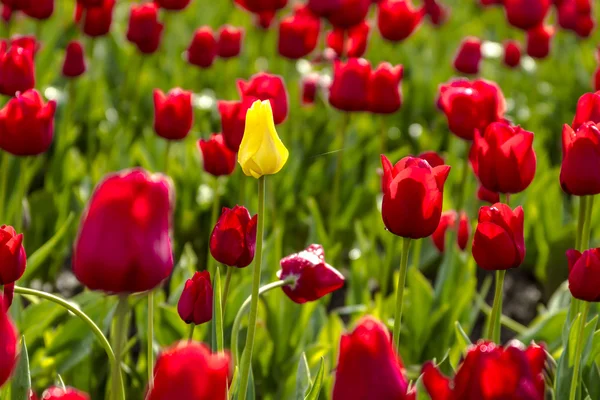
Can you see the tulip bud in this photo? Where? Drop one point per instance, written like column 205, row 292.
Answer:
column 261, row 151
column 488, row 196
column 8, row 344
column 324, row 7
column 27, row 124
column 538, row 41
column 596, row 80
column 39, row 9
column 6, row 13
column 437, row 13
column 349, row 13
column 218, row 159
column 233, row 120
column 314, row 278
column 581, row 153
column 588, row 109
column 203, row 49
column 233, row 239
column 17, row 70
column 499, row 243
column 144, row 29
column 576, row 16
column 261, row 6
column 264, row 86
column 449, row 220
column 298, row 33
column 56, row 393
column 468, row 57
column 309, row 87
column 74, row 63
column 351, row 42
column 97, row 19
column 123, row 245
column 230, row 41
column 433, row 158
column 512, row 53
column 412, row 196
column 12, row 255
column 196, row 301
column 173, row 5
column 173, row 113
column 584, row 274
column 398, row 19
column 526, row 14
column 384, row 95
column 368, row 367
column 349, row 89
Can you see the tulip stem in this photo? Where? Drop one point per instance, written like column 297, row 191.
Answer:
column 119, row 334
column 587, row 225
column 400, row 292
column 337, row 179
column 226, row 287
column 4, row 183
column 579, row 350
column 150, row 339
column 191, row 335
column 246, row 363
column 494, row 326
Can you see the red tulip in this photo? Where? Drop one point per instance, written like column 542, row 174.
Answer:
column 218, row 159
column 349, row 13
column 173, row 5
column 384, row 94
column 584, row 272
column 512, row 53
column 189, row 371
column 588, row 109
column 398, row 19
column 8, row 344
column 471, row 105
column 27, row 124
column 298, row 33
column 196, row 302
column 6, row 13
column 487, row 3
column 17, row 70
column 203, row 49
column 499, row 243
column 490, row 372
column 97, row 20
column 368, row 367
column 437, row 13
column 233, row 239
column 469, row 56
column 503, row 158
column 56, row 393
column 90, row 3
column 144, row 29
column 324, row 7
column 349, row 89
column 39, row 9
column 12, row 255
column 28, row 42
column 123, row 245
column 579, row 175
column 260, row 6
column 412, row 196
column 173, row 113
column 526, row 14
column 265, row 19
column 488, row 196
column 449, row 220
column 233, row 121
column 229, row 43
column 576, row 16
column 596, row 80
column 74, row 63
column 433, row 158
column 309, row 88
column 350, row 42
column 264, row 86
column 538, row 41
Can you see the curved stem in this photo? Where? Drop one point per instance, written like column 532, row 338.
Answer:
column 150, row 340
column 400, row 292
column 579, row 350
column 494, row 328
column 226, row 288
column 119, row 344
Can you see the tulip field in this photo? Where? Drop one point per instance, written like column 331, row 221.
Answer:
column 299, row 199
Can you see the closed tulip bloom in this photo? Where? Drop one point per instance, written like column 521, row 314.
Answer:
column 469, row 56
column 12, row 255
column 229, row 43
column 324, row 7
column 412, row 196
column 588, row 109
column 576, row 16
column 437, row 13
column 433, row 158
column 584, row 274
column 173, row 113
column 261, row 151
column 173, row 5
column 398, row 19
column 233, row 120
column 203, row 49
column 314, row 278
column 384, row 94
column 512, row 53
column 8, row 344
column 539, row 41
column 39, row 9
column 368, row 367
column 450, row 220
column 6, row 13
column 195, row 305
column 17, row 70
column 218, row 159
column 261, row 6
column 349, row 89
column 233, row 239
column 349, row 42
column 526, row 14
column 123, row 245
column 309, row 87
column 144, row 29
column 579, row 175
column 264, row 86
column 98, row 19
column 74, row 64
column 596, row 79
column 298, row 33
column 498, row 243
column 56, row 393
column 471, row 105
column 349, row 13
column 27, row 124
column 189, row 371
column 488, row 196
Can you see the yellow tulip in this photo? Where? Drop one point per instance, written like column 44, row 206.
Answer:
column 261, row 151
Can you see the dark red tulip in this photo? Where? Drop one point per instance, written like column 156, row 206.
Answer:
column 398, row 19
column 349, row 13
column 498, row 243
column 298, row 33
column 218, row 159
column 260, row 6
column 264, row 86
column 233, row 120
column 437, row 13
column 203, row 49
column 90, row 3
column 229, row 43
column 6, row 13
column 512, row 53
column 368, row 367
column 264, row 19
column 173, row 113
column 123, row 245
column 314, row 278
column 189, row 371
column 471, row 105
column 581, row 153
column 384, row 94
column 8, row 344
column 487, row 3
column 195, row 305
column 469, row 56
column 488, row 196
column 17, row 70
column 349, row 89
column 584, row 274
column 503, row 158
column 576, row 16
column 233, row 239
column 526, row 14
column 144, row 29
column 39, row 9
column 588, row 109
column 309, row 87
column 74, row 63
column 28, row 42
column 350, row 42
column 12, row 255
column 596, row 79
column 324, row 7
column 56, row 393
column 27, row 124
column 490, row 372
column 539, row 41
column 173, row 5
column 412, row 196
column 433, row 158
column 450, row 219
column 98, row 19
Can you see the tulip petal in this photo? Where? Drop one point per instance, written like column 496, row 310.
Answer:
column 493, row 247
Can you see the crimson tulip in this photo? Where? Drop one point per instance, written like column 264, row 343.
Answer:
column 526, row 14
column 56, row 393
column 539, row 41
column 384, row 95
column 350, row 42
column 74, row 64
column 173, row 113
column 203, row 48
column 97, row 19
column 144, row 29
column 229, row 43
column 350, row 86
column 398, row 19
column 469, row 56
column 264, row 86
column 233, row 121
column 584, row 272
column 436, row 12
column 90, row 3
column 488, row 196
column 12, row 255
column 512, row 53
column 262, row 6
column 8, row 344
column 173, row 5
column 449, row 219
column 309, row 87
column 196, row 302
column 596, row 79
column 123, row 244
column 581, row 153
column 576, row 16
column 588, row 109
column 218, row 159
column 433, row 158
column 6, row 13
column 39, row 9
column 324, row 7
column 349, row 13
column 28, row 42
column 298, row 33
column 233, row 239
column 17, row 70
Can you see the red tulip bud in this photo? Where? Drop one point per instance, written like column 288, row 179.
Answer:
column 17, row 70
column 233, row 120
column 196, row 301
column 97, row 19
column 433, row 158
column 173, row 5
column 450, row 220
column 233, row 239
column 309, row 88
column 218, row 159
column 384, row 94
column 74, row 63
column 350, row 42
column 398, row 19
column 576, row 16
column 349, row 13
column 264, row 86
column 512, row 53
column 488, row 196
column 581, row 153
column 144, row 29
column 230, row 41
column 8, row 344
column 324, row 7
column 538, row 41
column 203, row 49
column 584, row 274
column 39, row 9
column 588, row 109
column 12, row 255
column 526, row 14
column 56, row 393
column 469, row 56
column 6, row 13
column 173, row 113
column 298, row 33
column 349, row 89
column 438, row 14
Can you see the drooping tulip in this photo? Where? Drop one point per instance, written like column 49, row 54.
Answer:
column 217, row 158
column 17, row 70
column 539, row 41
column 203, row 49
column 97, row 19
column 581, row 153
column 144, row 29
column 196, row 302
column 468, row 56
column 12, row 255
column 450, row 220
column 384, row 95
column 298, row 33
column 233, row 239
column 229, row 42
column 74, row 63
column 264, row 86
column 398, row 19
column 349, row 13
column 350, row 42
column 58, row 393
column 349, row 89
column 526, row 14
column 588, row 109
column 512, row 53
column 173, row 113
column 8, row 344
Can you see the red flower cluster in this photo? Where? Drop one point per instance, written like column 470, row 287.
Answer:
column 206, row 45
column 38, row 9
column 576, row 16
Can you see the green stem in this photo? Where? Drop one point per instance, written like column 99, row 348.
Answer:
column 24, row 187
column 150, row 339
column 337, row 179
column 385, row 273
column 247, row 360
column 494, row 327
column 120, row 334
column 213, row 220
column 191, row 335
column 384, row 133
column 581, row 221
column 587, row 226
column 226, row 287
column 4, row 182
column 579, row 350
column 400, row 292
column 167, row 154
column 504, row 320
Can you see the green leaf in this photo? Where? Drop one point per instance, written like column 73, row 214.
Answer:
column 21, row 382
column 302, row 378
column 315, row 390
column 217, row 325
column 461, row 335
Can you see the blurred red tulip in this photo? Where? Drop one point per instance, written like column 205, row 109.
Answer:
column 264, row 10
column 17, row 70
column 584, row 274
column 398, row 19
column 28, row 42
column 576, row 16
column 9, row 291
column 349, row 13
column 15, row 5
column 437, row 13
column 97, row 19
column 412, row 196
column 579, row 175
column 588, row 109
column 450, row 219
column 123, row 245
column 349, row 89
column 203, row 49
column 309, row 88
column 27, row 124
column 487, row 3
column 90, row 3
column 8, row 344
column 265, row 86
column 189, row 371
column 173, row 5
column 498, row 243
column 229, row 43
column 173, row 113
column 539, row 41
column 384, row 94
column 233, row 121
column 324, row 7
column 195, row 305
column 6, row 13
column 12, row 255
column 264, row 19
column 74, row 63
column 512, row 53
column 526, row 14
column 56, row 393
column 596, row 82
column 218, row 159
column 350, row 42
column 468, row 56
column 488, row 196
column 144, row 29
column 233, row 239
column 39, row 9
column 298, row 33
column 433, row 158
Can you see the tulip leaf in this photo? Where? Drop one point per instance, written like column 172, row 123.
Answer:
column 21, row 382
column 302, row 377
column 217, row 325
column 461, row 335
column 315, row 390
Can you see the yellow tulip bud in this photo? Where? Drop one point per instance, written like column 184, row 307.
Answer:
column 261, row 151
